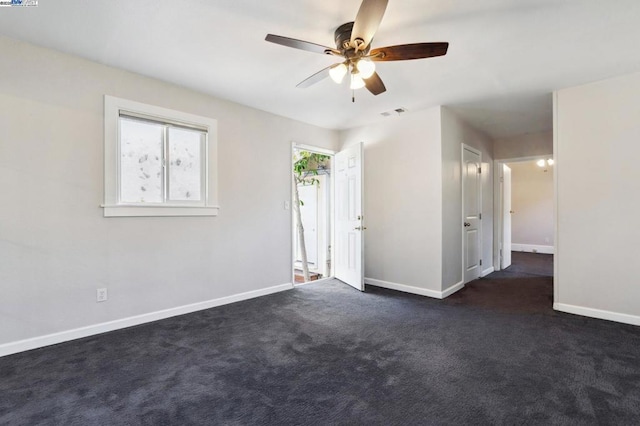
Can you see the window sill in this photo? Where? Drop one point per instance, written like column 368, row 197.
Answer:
column 159, row 211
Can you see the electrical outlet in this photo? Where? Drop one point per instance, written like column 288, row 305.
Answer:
column 101, row 295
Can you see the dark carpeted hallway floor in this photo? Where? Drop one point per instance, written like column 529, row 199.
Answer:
column 525, row 264
column 524, row 287
column 493, row 353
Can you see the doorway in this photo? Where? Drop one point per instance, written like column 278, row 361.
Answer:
column 312, row 190
column 525, row 221
column 327, row 215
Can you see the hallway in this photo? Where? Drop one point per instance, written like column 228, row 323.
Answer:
column 524, row 287
column 526, row 264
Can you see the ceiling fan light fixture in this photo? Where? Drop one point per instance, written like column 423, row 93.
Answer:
column 338, row 72
column 353, row 44
column 356, row 82
column 366, row 68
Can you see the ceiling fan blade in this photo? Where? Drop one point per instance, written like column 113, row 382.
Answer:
column 374, row 84
column 367, row 22
column 317, row 77
column 404, row 52
column 299, row 44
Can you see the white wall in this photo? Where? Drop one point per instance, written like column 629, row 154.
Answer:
column 403, row 194
column 598, row 198
column 455, row 132
column 528, row 145
column 413, row 200
column 56, row 248
column 532, row 221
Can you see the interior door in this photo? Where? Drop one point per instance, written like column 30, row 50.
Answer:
column 506, row 217
column 349, row 224
column 471, row 207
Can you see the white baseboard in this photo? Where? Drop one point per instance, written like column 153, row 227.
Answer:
column 456, row 287
column 532, row 248
column 597, row 313
column 487, row 272
column 78, row 333
column 414, row 290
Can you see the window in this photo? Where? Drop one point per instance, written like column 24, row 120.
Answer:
column 158, row 162
column 161, row 163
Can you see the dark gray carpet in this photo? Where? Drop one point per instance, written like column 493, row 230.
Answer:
column 494, row 353
column 525, row 264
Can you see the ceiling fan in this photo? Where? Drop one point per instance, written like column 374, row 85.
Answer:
column 353, row 45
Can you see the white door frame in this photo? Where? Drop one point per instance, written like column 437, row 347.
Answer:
column 498, row 221
column 462, row 212
column 318, row 150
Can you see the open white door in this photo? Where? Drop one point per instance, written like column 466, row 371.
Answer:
column 506, row 217
column 349, row 225
column 471, row 207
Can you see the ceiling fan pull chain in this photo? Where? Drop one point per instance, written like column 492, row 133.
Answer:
column 353, row 96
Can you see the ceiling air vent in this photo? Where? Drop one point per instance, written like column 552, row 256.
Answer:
column 397, row 111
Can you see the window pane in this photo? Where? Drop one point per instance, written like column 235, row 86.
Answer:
column 185, row 164
column 140, row 161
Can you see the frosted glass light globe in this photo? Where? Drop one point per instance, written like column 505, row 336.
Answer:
column 366, row 68
column 356, row 82
column 338, row 72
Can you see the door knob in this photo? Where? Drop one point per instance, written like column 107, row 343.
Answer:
column 360, row 228
column 467, row 224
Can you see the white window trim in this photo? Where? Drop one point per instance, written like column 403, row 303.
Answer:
column 112, row 207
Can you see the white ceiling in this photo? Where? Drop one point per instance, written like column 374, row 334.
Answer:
column 505, row 56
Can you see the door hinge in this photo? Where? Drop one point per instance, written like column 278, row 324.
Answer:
column 479, row 216
column 480, row 262
column 479, row 170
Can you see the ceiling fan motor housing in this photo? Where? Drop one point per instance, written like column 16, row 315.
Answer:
column 342, row 37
